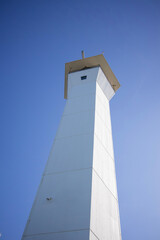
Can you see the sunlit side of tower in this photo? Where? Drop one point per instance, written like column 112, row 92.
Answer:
column 77, row 197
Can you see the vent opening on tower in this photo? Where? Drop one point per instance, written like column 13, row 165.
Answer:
column 84, row 77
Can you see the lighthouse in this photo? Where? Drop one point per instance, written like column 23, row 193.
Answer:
column 77, row 196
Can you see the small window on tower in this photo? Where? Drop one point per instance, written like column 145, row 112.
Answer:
column 83, row 77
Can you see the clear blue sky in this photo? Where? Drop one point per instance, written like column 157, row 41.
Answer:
column 36, row 39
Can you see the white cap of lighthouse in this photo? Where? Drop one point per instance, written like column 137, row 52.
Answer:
column 91, row 62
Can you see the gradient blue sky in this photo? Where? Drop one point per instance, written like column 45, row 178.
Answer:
column 36, row 39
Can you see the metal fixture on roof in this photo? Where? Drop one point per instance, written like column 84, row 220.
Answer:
column 82, row 54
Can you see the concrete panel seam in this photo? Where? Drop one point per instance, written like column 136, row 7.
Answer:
column 105, row 184
column 80, row 83
column 88, row 110
column 61, row 172
column 73, row 230
column 75, row 135
column 94, row 234
column 82, row 95
column 98, row 96
column 104, row 146
column 91, row 93
column 103, row 122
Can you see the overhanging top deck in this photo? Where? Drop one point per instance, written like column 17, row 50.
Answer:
column 90, row 62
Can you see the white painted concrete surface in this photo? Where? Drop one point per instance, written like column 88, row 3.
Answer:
column 79, row 179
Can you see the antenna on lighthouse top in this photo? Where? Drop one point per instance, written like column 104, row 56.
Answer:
column 82, row 54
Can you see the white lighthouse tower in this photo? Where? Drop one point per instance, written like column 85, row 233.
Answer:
column 77, row 197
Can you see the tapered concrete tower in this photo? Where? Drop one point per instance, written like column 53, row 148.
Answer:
column 77, row 197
